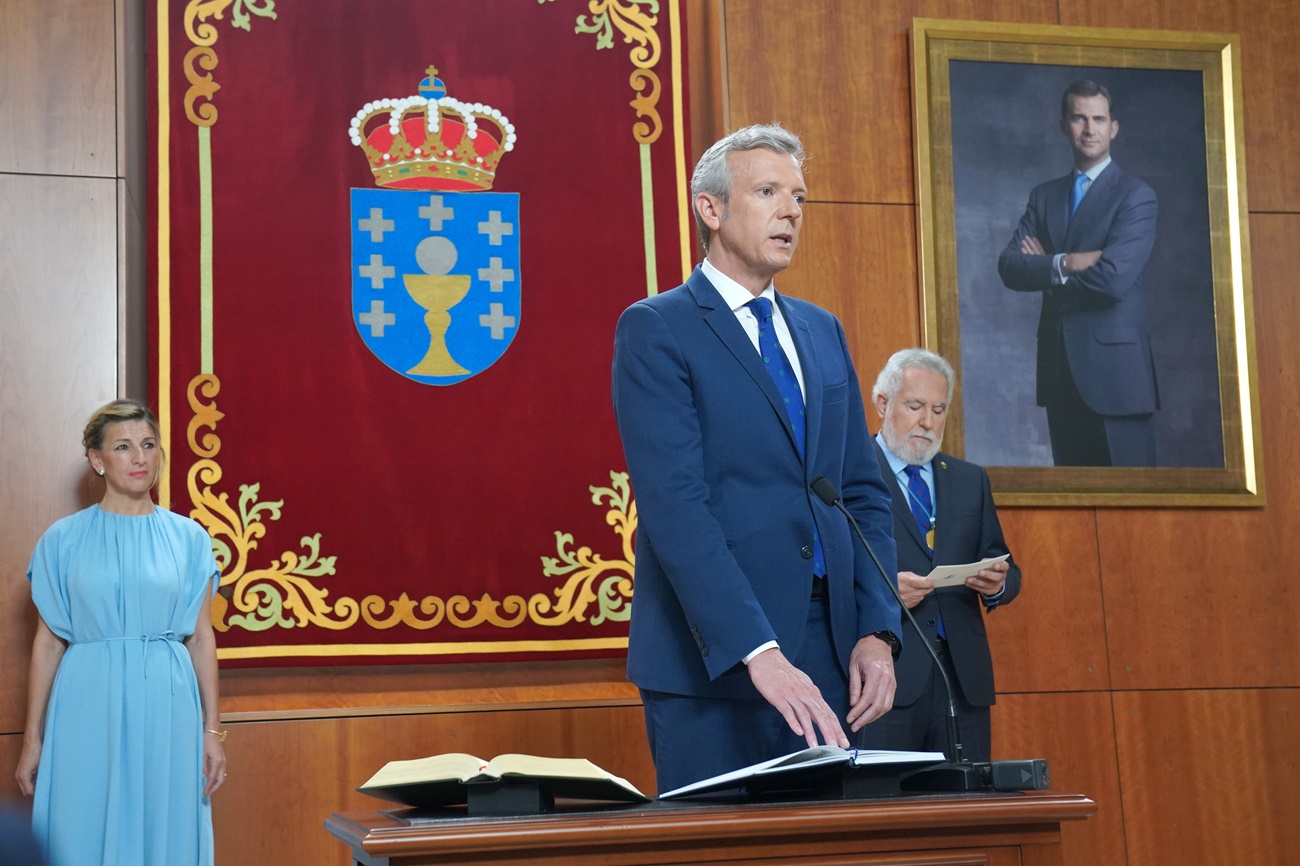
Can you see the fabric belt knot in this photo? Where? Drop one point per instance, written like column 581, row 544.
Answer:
column 145, row 639
column 778, row 367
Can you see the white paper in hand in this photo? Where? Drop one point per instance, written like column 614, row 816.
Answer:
column 955, row 575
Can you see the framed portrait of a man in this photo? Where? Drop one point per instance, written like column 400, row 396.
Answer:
column 1085, row 260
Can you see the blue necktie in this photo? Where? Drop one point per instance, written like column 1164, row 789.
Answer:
column 919, row 499
column 1080, row 187
column 922, row 509
column 778, row 367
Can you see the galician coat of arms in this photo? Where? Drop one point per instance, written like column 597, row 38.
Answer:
column 435, row 257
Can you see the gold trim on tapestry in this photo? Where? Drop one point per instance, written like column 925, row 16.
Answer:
column 289, row 590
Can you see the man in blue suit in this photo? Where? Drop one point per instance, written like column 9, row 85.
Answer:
column 943, row 515
column 1083, row 244
column 759, row 626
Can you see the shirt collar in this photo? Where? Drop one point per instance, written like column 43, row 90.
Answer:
column 733, row 293
column 1097, row 169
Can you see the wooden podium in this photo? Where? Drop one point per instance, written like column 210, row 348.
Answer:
column 989, row 829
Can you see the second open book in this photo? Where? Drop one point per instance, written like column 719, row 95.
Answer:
column 802, row 761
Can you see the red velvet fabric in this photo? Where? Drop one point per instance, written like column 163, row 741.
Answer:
column 416, row 489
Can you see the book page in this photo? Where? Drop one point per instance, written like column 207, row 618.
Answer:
column 869, row 757
column 453, row 766
column 813, row 757
column 817, row 756
column 552, row 768
column 955, row 575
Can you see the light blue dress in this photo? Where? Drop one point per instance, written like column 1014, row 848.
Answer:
column 120, row 777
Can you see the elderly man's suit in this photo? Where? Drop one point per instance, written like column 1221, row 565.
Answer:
column 966, row 530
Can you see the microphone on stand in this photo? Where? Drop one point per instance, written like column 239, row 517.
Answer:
column 957, row 774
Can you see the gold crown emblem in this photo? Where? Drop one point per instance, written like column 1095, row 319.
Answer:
column 431, row 140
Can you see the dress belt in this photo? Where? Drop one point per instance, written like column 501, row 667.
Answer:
column 145, row 640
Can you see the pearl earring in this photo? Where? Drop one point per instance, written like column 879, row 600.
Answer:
column 101, row 472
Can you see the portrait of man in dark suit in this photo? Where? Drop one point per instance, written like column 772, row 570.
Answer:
column 760, row 627
column 1083, row 244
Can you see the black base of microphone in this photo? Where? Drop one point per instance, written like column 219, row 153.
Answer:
column 948, row 776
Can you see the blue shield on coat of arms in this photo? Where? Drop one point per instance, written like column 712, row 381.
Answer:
column 435, row 279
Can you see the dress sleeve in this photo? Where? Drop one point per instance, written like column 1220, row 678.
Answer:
column 205, row 569
column 47, row 573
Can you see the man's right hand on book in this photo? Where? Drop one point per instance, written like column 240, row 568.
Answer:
column 797, row 698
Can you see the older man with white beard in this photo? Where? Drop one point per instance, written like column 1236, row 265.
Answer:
column 943, row 515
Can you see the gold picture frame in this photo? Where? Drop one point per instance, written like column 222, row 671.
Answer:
column 986, row 133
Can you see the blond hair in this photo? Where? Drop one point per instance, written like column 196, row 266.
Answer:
column 92, row 438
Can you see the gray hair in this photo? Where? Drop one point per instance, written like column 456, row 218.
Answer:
column 891, row 377
column 713, row 173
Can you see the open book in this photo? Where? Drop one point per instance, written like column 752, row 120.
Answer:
column 443, row 780
column 804, row 761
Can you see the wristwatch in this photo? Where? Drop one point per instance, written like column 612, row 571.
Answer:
column 895, row 645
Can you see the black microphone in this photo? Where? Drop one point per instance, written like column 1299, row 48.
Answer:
column 958, row 774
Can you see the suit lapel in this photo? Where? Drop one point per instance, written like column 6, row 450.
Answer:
column 1095, row 202
column 942, row 500
column 728, row 329
column 1058, row 212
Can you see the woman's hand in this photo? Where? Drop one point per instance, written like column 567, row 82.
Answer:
column 28, row 760
column 214, row 763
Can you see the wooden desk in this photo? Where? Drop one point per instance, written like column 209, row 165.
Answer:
column 943, row 830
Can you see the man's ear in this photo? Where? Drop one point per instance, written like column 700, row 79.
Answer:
column 1114, row 129
column 882, row 403
column 710, row 209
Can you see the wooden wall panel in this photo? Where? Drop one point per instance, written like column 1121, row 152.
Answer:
column 1052, row 637
column 57, row 98
column 1270, row 75
column 343, row 691
column 1076, row 734
column 10, row 747
column 58, row 342
column 1150, row 599
column 1206, row 598
column 1209, row 776
column 287, row 777
column 858, row 262
column 838, row 73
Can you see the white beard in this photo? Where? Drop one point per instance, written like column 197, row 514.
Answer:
column 905, row 451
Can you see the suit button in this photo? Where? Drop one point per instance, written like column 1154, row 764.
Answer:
column 930, row 621
column 806, row 552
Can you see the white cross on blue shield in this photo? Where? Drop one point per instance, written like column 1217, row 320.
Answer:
column 435, row 280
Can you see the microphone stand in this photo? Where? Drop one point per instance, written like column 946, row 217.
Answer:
column 957, row 774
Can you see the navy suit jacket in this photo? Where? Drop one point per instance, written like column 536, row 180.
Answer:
column 966, row 529
column 725, row 514
column 1098, row 317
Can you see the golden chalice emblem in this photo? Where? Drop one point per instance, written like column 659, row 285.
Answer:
column 437, row 292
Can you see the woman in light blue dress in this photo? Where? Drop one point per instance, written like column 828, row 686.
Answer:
column 123, row 742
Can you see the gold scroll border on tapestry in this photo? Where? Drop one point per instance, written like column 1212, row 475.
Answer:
column 257, row 593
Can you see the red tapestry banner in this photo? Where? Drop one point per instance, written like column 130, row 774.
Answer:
column 392, row 243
